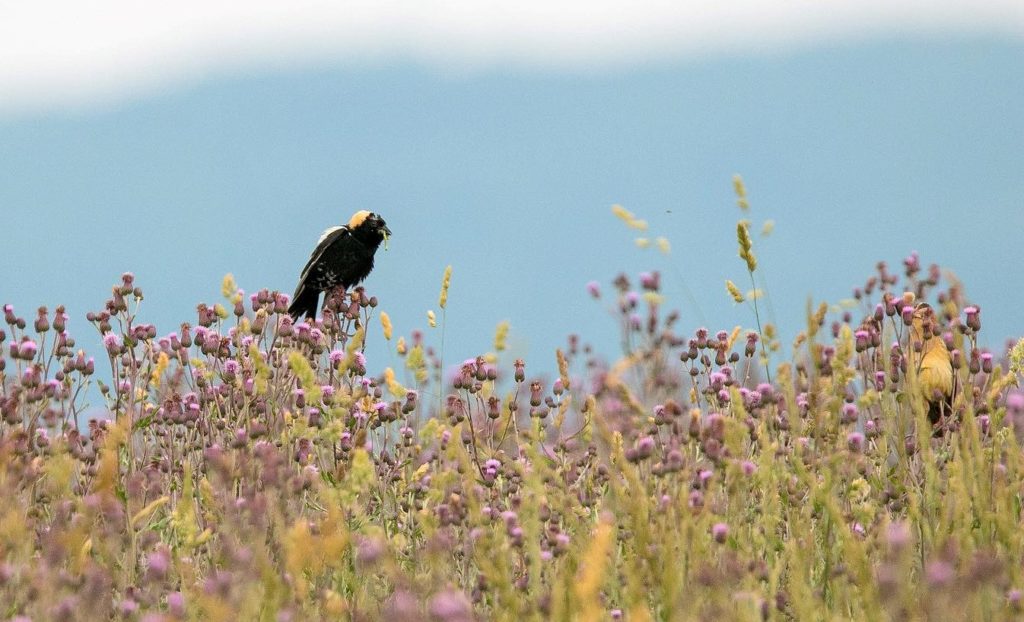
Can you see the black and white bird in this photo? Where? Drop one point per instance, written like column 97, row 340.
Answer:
column 342, row 258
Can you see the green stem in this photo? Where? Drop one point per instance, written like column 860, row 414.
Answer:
column 760, row 331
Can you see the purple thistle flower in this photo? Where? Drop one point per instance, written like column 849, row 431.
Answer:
column 594, row 289
column 176, row 604
column 451, row 606
column 939, row 573
column 897, row 535
column 848, row 413
column 855, row 441
column 649, row 280
column 27, row 349
column 907, row 314
column 1015, row 404
column 986, row 362
column 973, row 320
column 984, row 421
column 112, row 343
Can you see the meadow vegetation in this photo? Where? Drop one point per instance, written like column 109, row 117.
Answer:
column 258, row 469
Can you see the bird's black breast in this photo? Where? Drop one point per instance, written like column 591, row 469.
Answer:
column 340, row 260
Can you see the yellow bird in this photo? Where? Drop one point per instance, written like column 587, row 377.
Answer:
column 934, row 364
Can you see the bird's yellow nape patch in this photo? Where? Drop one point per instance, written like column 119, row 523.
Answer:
column 358, row 218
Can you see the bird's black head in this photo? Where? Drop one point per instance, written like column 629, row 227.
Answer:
column 369, row 227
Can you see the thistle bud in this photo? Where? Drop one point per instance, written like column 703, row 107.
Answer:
column 535, row 394
column 42, row 324
column 520, row 370
column 975, row 364
column 986, row 362
column 973, row 320
column 186, row 335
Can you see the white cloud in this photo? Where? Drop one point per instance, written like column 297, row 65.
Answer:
column 67, row 53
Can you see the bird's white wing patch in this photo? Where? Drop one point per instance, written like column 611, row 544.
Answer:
column 326, row 239
column 327, row 232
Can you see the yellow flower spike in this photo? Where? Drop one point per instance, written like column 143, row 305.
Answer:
column 737, row 295
column 1017, row 357
column 161, row 366
column 385, row 323
column 663, row 245
column 746, row 252
column 147, row 511
column 85, row 552
column 642, row 242
column 221, row 312
column 591, row 575
column 394, row 387
column 732, row 337
column 741, row 192
column 767, row 228
column 638, row 224
column 400, row 346
column 228, row 287
column 563, row 368
column 445, row 283
column 501, row 335
column 653, row 298
column 622, row 213
column 431, row 319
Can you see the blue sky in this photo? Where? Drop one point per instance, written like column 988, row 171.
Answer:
column 859, row 150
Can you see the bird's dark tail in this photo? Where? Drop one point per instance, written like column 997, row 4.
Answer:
column 304, row 303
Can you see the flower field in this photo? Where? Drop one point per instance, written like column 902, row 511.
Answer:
column 257, row 468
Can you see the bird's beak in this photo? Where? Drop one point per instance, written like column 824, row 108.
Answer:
column 387, row 234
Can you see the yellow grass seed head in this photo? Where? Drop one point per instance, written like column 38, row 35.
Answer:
column 446, row 281
column 1017, row 357
column 385, row 323
column 394, row 387
column 592, row 570
column 746, row 252
column 228, row 287
column 563, row 368
column 663, row 245
column 734, row 291
column 622, row 213
column 501, row 336
column 733, row 335
column 431, row 318
column 161, row 366
column 741, row 192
